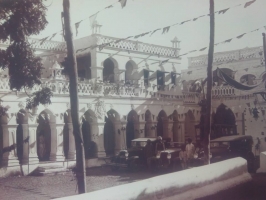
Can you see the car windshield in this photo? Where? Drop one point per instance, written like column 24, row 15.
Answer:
column 138, row 143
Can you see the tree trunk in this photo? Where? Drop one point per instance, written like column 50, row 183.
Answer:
column 74, row 100
column 207, row 128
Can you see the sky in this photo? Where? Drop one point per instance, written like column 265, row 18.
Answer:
column 139, row 16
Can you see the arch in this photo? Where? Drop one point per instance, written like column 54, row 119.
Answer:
column 189, row 125
column 248, row 79
column 132, row 126
column 22, row 117
column 43, row 136
column 217, row 80
column 162, row 123
column 131, row 72
column 109, row 66
column 113, row 115
column 224, row 122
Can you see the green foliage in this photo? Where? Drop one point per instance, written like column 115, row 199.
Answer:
column 40, row 97
column 20, row 19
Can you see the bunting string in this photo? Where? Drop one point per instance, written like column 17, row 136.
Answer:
column 164, row 29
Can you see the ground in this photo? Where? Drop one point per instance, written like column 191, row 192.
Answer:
column 49, row 187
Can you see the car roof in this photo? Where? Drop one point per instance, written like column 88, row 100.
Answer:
column 231, row 138
column 144, row 139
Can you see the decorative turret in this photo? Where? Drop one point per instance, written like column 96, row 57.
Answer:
column 176, row 43
column 96, row 28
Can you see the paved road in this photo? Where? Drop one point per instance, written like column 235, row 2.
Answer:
column 49, row 187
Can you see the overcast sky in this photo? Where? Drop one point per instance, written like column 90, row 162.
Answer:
column 140, row 16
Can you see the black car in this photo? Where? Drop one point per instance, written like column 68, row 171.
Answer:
column 230, row 147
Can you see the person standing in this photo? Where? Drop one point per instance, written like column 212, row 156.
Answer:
column 183, row 157
column 190, row 150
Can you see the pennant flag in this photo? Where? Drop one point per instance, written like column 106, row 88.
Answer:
column 164, row 61
column 192, row 51
column 223, row 11
column 137, row 36
column 42, row 40
column 249, row 3
column 246, row 69
column 109, row 7
column 77, row 26
column 229, row 40
column 198, row 17
column 255, row 30
column 123, row 3
column 93, row 18
column 52, row 36
column 166, row 29
column 217, row 44
column 203, row 49
column 240, row 36
column 184, row 22
column 154, row 31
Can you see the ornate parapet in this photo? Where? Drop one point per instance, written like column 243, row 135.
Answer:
column 46, row 45
column 228, row 56
column 136, row 46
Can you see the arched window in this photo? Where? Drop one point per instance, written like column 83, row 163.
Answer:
column 248, row 79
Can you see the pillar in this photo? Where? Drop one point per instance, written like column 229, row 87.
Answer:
column 25, row 156
column 99, row 127
column 71, row 155
column 33, row 157
column 170, row 130
column 59, row 144
column 53, row 142
column 118, row 136
column 141, row 132
column 9, row 138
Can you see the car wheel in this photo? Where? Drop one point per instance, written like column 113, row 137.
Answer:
column 250, row 162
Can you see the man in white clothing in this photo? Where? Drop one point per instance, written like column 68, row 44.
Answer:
column 190, row 150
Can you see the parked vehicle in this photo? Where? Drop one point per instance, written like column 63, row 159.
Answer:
column 230, row 147
column 132, row 158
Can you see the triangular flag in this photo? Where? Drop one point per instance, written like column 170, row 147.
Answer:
column 246, row 69
column 240, row 36
column 77, row 26
column 164, row 61
column 53, row 36
column 137, row 36
column 42, row 40
column 184, row 22
column 217, row 43
column 223, row 11
column 166, row 29
column 255, row 30
column 123, row 3
column 249, row 3
column 203, row 49
column 198, row 17
column 93, row 18
column 192, row 51
column 109, row 6
column 154, row 31
column 229, row 40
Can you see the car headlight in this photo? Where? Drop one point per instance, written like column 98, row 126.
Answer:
column 169, row 156
column 126, row 154
column 196, row 155
column 158, row 155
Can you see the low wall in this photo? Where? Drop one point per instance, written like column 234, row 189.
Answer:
column 188, row 184
column 262, row 168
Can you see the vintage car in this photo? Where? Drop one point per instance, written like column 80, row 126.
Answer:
column 132, row 158
column 230, row 147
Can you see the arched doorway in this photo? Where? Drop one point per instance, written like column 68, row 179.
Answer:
column 110, row 138
column 190, row 126
column 162, row 124
column 43, row 137
column 90, row 147
column 224, row 122
column 148, row 124
column 176, row 137
column 132, row 126
column 108, row 71
column 130, row 73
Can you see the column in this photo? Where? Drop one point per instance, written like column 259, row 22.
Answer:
column 118, row 137
column 141, row 132
column 33, row 157
column 72, row 147
column 53, row 142
column 239, row 126
column 99, row 127
column 97, row 72
column 170, row 130
column 59, row 144
column 181, row 131
column 25, row 156
column 9, row 138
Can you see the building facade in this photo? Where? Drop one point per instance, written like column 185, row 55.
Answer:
column 127, row 89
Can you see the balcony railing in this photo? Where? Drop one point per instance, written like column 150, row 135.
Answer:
column 131, row 45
